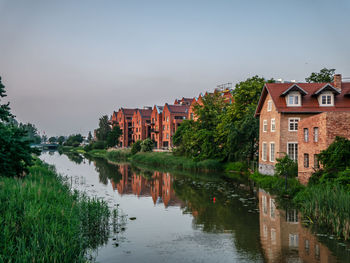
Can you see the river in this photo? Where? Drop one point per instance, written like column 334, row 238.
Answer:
column 165, row 217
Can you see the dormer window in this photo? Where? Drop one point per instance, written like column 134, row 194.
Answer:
column 294, row 99
column 326, row 99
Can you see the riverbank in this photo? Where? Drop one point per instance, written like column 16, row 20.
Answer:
column 166, row 160
column 42, row 219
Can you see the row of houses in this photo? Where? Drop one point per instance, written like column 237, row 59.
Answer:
column 158, row 123
column 301, row 120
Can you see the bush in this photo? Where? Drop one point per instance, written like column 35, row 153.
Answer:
column 286, row 166
column 236, row 167
column 117, row 155
column 136, row 147
column 147, row 145
column 98, row 145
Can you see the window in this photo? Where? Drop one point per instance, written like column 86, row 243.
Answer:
column 326, row 99
column 292, row 149
column 272, row 208
column 167, row 127
column 292, row 216
column 316, row 163
column 152, row 120
column 315, row 134
column 179, row 117
column 306, row 134
column 269, row 105
column 264, row 151
column 293, row 240
column 294, row 99
column 167, row 135
column 272, row 152
column 265, row 126
column 167, row 119
column 293, row 124
column 307, row 246
column 306, row 160
column 273, row 236
column 163, row 127
column 191, row 116
column 273, row 125
column 264, row 204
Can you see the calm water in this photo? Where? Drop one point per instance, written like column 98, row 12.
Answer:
column 193, row 218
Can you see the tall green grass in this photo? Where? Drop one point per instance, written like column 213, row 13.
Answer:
column 169, row 160
column 42, row 220
column 328, row 206
column 118, row 155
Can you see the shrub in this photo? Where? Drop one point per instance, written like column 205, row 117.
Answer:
column 98, row 145
column 286, row 166
column 136, row 147
column 236, row 167
column 147, row 145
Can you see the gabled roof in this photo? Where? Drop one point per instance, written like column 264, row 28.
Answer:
column 177, row 108
column 159, row 109
column 294, row 87
column 145, row 113
column 327, row 87
column 128, row 112
column 309, row 102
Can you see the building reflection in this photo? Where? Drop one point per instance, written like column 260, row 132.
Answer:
column 159, row 186
column 284, row 239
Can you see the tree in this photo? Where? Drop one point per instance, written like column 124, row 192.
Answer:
column 61, row 140
column 104, row 129
column 52, row 139
column 15, row 150
column 32, row 132
column 113, row 136
column 89, row 138
column 325, row 75
column 74, row 140
column 136, row 147
column 147, row 145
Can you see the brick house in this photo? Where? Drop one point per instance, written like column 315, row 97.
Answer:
column 141, row 123
column 173, row 116
column 315, row 134
column 183, row 101
column 156, row 126
column 283, row 105
column 124, row 119
column 194, row 102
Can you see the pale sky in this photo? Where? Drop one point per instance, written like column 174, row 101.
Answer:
column 66, row 63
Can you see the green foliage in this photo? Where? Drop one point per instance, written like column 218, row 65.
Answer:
column 147, row 145
column 136, row 147
column 325, row 75
column 337, row 156
column 43, row 221
column 236, row 167
column 113, row 136
column 328, row 206
column 61, row 140
column 286, row 166
column 52, row 139
column 89, row 138
column 104, row 129
column 95, row 145
column 15, row 150
column 118, row 155
column 74, row 140
column 32, row 132
column 169, row 160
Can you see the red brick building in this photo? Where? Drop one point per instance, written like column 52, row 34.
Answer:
column 124, row 119
column 183, row 101
column 315, row 134
column 283, row 105
column 156, row 126
column 173, row 116
column 195, row 101
column 141, row 123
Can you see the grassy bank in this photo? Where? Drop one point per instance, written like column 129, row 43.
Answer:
column 325, row 205
column 43, row 221
column 171, row 161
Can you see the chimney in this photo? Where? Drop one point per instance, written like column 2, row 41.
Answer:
column 337, row 81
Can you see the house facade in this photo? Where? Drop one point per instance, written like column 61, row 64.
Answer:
column 123, row 117
column 141, row 123
column 173, row 116
column 156, row 126
column 316, row 134
column 283, row 105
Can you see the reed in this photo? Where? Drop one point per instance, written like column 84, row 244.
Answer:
column 42, row 220
column 328, row 207
column 118, row 155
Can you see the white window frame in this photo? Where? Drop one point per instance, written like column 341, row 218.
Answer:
column 289, row 121
column 294, row 94
column 326, row 93
column 306, row 134
column 272, row 208
column 273, row 125
column 295, row 157
column 264, row 151
column 269, row 105
column 264, row 125
column 316, row 134
column 264, row 204
column 272, row 156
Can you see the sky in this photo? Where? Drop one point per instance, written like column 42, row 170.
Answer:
column 67, row 63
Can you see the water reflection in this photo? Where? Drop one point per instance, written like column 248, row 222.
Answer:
column 285, row 239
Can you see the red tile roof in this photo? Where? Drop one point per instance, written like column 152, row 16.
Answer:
column 309, row 101
column 129, row 112
column 145, row 113
column 178, row 108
